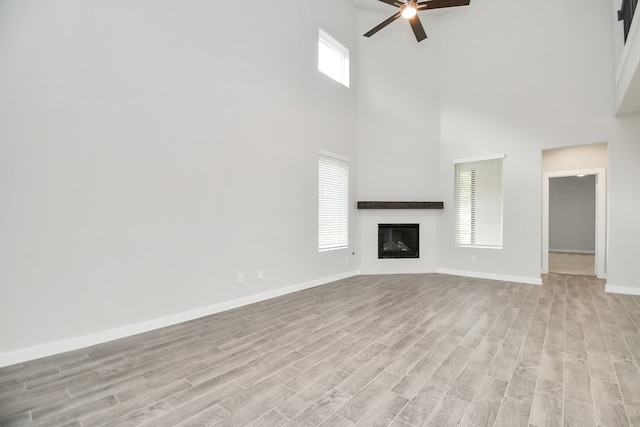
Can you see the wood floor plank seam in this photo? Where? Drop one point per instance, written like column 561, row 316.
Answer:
column 539, row 379
column 401, row 350
column 593, row 393
column 615, row 373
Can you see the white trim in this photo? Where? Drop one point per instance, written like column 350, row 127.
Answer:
column 601, row 216
column 333, row 202
column 332, row 41
column 335, row 46
column 627, row 52
column 334, row 155
column 480, row 158
column 621, row 290
column 627, row 65
column 479, row 203
column 491, row 276
column 76, row 343
column 572, row 251
column 478, row 246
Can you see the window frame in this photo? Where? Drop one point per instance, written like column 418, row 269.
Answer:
column 333, row 232
column 481, row 223
column 333, row 45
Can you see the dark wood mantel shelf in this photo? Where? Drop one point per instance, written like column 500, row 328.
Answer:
column 400, row 205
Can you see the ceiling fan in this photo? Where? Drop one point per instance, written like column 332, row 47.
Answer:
column 409, row 10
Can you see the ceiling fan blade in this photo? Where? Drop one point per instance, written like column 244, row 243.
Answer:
column 382, row 25
column 437, row 4
column 393, row 3
column 417, row 28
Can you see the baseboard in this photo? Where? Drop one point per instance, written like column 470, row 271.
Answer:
column 572, row 251
column 501, row 277
column 621, row 290
column 49, row 349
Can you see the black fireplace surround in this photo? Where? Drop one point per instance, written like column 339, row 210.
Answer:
column 398, row 241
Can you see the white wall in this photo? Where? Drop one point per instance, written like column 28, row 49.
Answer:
column 398, row 138
column 617, row 44
column 150, row 151
column 626, row 56
column 515, row 78
column 369, row 220
column 567, row 161
column 577, row 157
column 518, row 77
column 624, row 200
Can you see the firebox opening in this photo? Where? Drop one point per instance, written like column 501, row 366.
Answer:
column 398, row 241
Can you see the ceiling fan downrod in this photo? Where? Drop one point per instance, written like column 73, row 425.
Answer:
column 409, row 10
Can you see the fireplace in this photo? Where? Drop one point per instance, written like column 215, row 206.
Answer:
column 398, row 240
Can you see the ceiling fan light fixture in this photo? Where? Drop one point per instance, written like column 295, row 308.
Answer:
column 409, row 10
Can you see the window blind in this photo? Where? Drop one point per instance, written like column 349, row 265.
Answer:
column 333, row 202
column 479, row 202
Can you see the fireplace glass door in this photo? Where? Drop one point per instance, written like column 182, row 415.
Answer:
column 398, row 240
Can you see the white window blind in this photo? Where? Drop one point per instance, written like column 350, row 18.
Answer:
column 478, row 202
column 333, row 202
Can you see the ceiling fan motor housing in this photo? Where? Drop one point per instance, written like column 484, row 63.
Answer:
column 409, row 11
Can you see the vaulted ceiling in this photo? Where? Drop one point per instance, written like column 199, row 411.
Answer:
column 626, row 73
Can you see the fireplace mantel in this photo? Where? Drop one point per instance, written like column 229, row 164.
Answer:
column 400, row 205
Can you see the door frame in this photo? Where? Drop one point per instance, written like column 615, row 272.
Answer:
column 601, row 217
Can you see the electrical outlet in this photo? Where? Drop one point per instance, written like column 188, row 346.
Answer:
column 346, row 258
column 240, row 278
column 473, row 258
column 260, row 274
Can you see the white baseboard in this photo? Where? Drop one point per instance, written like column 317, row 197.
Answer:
column 572, row 251
column 501, row 277
column 621, row 290
column 49, row 349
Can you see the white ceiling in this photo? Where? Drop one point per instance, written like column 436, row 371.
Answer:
column 627, row 77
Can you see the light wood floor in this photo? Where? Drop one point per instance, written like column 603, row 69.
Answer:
column 572, row 263
column 403, row 350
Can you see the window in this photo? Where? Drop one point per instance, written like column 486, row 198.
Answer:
column 333, row 201
column 478, row 202
column 333, row 58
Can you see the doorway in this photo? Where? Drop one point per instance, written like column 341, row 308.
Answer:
column 572, row 225
column 573, row 234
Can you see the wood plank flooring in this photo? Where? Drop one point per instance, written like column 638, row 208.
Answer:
column 579, row 264
column 400, row 350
